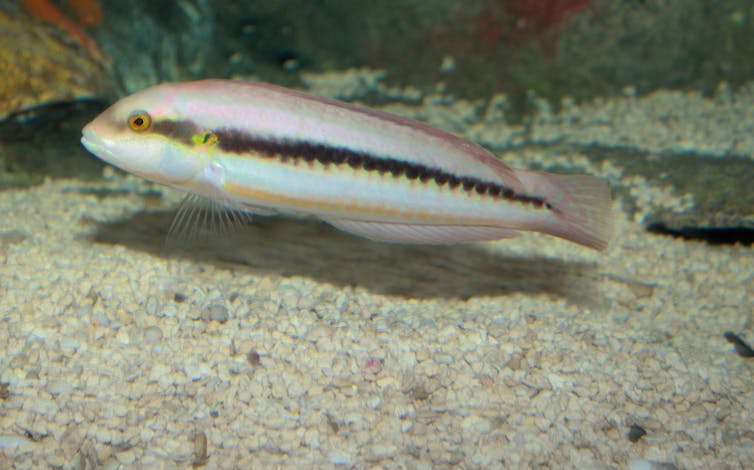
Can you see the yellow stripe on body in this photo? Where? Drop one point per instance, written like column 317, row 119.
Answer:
column 355, row 210
column 322, row 206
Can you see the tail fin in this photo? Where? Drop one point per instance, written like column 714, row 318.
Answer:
column 581, row 205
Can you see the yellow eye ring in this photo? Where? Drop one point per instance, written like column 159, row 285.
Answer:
column 140, row 121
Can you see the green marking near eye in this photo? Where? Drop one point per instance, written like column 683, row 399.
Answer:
column 205, row 138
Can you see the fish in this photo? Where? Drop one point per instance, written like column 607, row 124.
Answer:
column 259, row 148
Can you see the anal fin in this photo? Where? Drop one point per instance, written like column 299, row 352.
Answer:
column 429, row 234
column 253, row 210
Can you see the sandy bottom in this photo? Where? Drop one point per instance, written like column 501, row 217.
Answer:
column 292, row 344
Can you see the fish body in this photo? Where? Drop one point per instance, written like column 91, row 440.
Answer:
column 265, row 149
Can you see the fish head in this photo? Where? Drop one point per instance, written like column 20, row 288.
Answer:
column 146, row 134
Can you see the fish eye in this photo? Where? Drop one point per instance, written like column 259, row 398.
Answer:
column 139, row 121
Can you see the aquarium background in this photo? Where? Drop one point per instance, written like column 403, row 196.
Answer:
column 538, row 62
column 290, row 344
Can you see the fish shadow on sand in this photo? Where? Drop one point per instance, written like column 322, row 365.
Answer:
column 312, row 249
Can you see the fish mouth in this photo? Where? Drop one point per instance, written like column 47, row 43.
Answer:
column 96, row 145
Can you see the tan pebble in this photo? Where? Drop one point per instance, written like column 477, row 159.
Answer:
column 373, row 402
column 84, row 287
column 89, row 413
column 68, row 344
column 381, row 451
column 318, row 332
column 307, row 302
column 200, row 448
column 253, row 358
column 277, row 388
column 290, row 440
column 104, row 434
column 311, row 438
column 152, row 334
column 641, row 290
column 178, row 449
column 385, row 382
column 295, row 389
column 57, row 459
column 158, row 372
column 57, row 387
column 449, row 334
column 476, row 423
column 422, row 355
column 152, row 306
column 406, row 425
column 146, row 434
column 123, row 337
column 216, row 312
column 118, row 409
column 110, row 463
column 486, row 381
column 132, row 417
column 350, row 391
column 126, row 457
column 515, row 361
column 430, row 368
column 339, row 457
column 557, row 381
column 443, row 358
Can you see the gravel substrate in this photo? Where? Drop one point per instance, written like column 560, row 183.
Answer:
column 289, row 343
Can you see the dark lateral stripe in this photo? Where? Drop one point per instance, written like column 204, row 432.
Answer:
column 239, row 142
column 182, row 131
